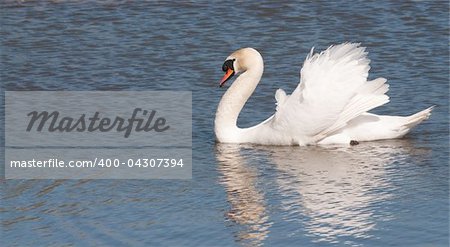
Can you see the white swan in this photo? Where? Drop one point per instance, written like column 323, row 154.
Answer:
column 329, row 105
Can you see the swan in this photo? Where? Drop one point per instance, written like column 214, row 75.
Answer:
column 329, row 106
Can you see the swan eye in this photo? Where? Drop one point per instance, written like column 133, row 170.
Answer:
column 228, row 65
column 224, row 68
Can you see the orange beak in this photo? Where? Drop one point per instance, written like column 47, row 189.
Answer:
column 226, row 77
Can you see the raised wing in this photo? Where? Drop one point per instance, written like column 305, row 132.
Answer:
column 333, row 90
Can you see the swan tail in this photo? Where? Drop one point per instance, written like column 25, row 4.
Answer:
column 415, row 119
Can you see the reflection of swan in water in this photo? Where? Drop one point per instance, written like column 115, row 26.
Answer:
column 247, row 202
column 336, row 188
column 332, row 191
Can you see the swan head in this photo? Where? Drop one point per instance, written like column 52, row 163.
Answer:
column 238, row 62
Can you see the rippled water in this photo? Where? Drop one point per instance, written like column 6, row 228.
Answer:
column 388, row 193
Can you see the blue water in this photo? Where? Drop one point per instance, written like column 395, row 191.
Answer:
column 387, row 193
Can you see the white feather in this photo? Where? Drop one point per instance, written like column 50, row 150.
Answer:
column 333, row 90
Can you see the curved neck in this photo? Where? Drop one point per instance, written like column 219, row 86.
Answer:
column 234, row 100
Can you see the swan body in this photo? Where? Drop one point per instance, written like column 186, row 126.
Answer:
column 329, row 106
